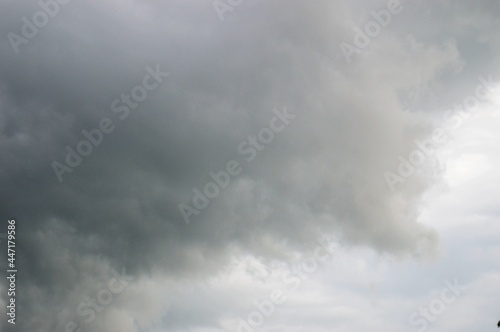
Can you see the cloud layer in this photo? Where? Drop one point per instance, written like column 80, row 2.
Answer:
column 322, row 174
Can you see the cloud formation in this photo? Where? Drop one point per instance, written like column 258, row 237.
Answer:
column 323, row 174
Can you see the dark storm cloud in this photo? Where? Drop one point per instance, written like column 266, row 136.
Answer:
column 323, row 173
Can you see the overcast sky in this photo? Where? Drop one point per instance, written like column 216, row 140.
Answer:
column 250, row 165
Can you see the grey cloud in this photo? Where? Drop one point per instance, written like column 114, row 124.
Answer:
column 322, row 174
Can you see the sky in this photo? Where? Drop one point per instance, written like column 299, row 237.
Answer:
column 250, row 165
